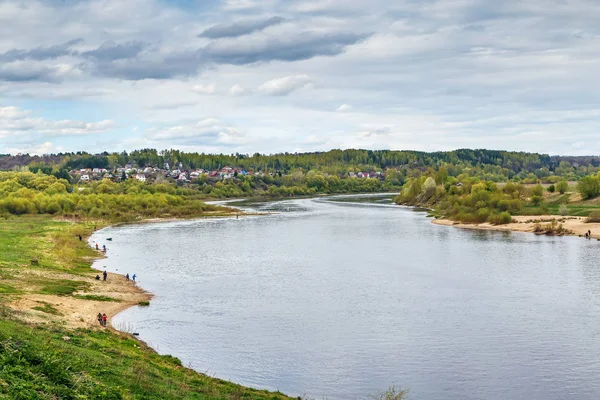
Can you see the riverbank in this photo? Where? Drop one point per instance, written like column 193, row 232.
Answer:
column 574, row 226
column 51, row 345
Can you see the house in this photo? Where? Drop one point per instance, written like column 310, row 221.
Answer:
column 140, row 177
column 148, row 170
column 85, row 178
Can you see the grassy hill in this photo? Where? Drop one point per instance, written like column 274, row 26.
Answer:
column 42, row 354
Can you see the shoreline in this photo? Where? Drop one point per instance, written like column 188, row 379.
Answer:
column 575, row 226
column 136, row 293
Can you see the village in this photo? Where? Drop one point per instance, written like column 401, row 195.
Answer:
column 180, row 175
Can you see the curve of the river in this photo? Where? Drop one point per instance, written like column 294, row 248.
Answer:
column 342, row 299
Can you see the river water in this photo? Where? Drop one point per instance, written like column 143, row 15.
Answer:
column 339, row 299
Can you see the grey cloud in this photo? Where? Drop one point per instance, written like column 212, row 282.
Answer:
column 40, row 53
column 110, row 51
column 153, row 66
column 19, row 73
column 156, row 65
column 240, row 28
column 303, row 46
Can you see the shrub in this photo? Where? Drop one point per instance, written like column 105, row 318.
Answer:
column 537, row 190
column 536, row 200
column 551, row 188
column 562, row 187
column 588, row 187
column 500, row 219
column 563, row 210
column 594, row 216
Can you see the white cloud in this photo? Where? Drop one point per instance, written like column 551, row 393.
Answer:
column 17, row 122
column 237, row 90
column 285, row 85
column 207, row 131
column 205, row 89
column 440, row 74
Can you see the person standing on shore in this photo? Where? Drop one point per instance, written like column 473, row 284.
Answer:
column 99, row 317
column 104, row 318
column 133, row 277
column 104, row 275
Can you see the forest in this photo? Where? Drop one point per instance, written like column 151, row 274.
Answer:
column 487, row 164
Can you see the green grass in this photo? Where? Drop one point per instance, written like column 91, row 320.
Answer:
column 47, row 308
column 63, row 287
column 93, row 297
column 37, row 363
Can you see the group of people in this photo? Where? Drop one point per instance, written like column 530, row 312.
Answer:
column 132, row 278
column 102, row 319
column 103, row 248
column 104, row 275
column 588, row 234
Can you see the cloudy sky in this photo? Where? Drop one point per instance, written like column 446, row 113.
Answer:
column 299, row 75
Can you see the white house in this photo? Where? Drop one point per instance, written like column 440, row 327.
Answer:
column 85, row 178
column 140, row 177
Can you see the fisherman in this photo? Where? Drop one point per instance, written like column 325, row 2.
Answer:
column 104, row 248
column 104, row 274
column 133, row 277
column 97, row 248
column 127, row 276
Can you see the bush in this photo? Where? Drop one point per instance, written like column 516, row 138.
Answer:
column 588, row 187
column 536, row 200
column 562, row 187
column 594, row 216
column 563, row 210
column 551, row 188
column 500, row 219
column 537, row 190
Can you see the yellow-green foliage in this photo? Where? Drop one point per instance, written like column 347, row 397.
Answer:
column 469, row 200
column 28, row 193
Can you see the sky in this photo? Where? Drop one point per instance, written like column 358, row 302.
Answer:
column 245, row 76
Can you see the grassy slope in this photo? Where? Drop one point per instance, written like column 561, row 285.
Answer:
column 37, row 363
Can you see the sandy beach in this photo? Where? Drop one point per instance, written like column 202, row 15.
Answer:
column 526, row 223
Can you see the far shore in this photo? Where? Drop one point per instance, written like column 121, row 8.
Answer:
column 525, row 223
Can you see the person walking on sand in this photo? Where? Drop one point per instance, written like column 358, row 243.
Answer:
column 104, row 318
column 133, row 277
column 127, row 276
column 97, row 248
column 99, row 317
column 104, row 275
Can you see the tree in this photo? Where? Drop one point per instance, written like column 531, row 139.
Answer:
column 589, row 187
column 429, row 188
column 562, row 186
column 537, row 190
column 551, row 188
column 123, row 176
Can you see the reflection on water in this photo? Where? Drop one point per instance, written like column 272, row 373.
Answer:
column 340, row 298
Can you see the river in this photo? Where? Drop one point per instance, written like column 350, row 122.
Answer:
column 340, row 299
